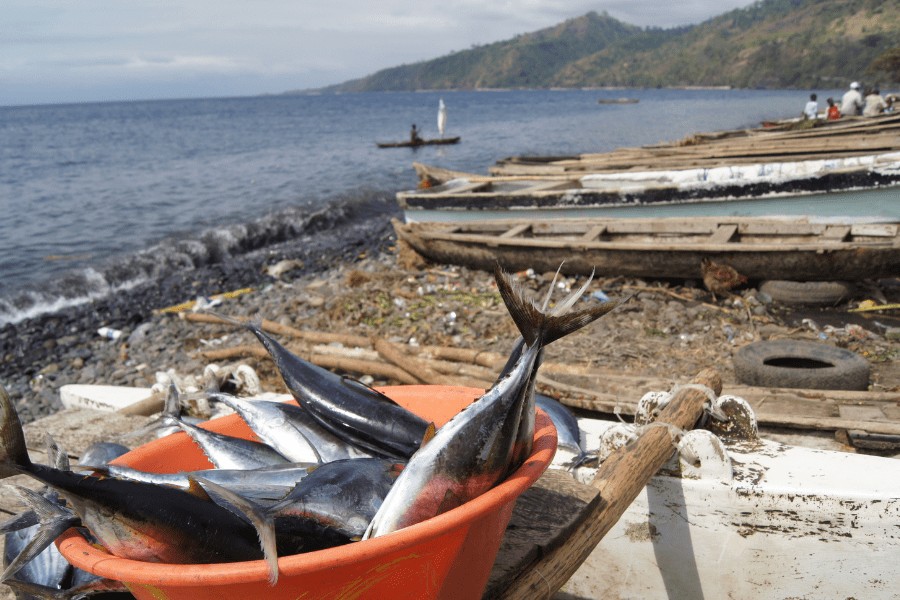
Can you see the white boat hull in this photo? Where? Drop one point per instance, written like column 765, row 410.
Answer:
column 859, row 188
column 776, row 521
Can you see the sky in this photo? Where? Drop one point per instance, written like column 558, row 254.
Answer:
column 60, row 51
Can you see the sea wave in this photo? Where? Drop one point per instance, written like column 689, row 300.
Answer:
column 210, row 247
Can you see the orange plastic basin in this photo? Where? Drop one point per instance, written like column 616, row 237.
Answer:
column 447, row 557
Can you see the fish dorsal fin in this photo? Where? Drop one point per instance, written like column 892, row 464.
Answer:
column 430, row 432
column 56, row 454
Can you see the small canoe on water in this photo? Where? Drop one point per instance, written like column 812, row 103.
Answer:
column 417, row 143
column 789, row 248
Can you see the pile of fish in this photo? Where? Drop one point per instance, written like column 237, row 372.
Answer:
column 344, row 464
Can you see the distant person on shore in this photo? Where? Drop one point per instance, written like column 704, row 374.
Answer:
column 874, row 104
column 811, row 111
column 833, row 112
column 414, row 135
column 852, row 101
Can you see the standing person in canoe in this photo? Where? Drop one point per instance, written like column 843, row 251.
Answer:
column 414, row 135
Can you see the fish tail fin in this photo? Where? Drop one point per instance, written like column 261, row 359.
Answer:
column 170, row 417
column 54, row 520
column 541, row 326
column 13, row 452
column 39, row 591
column 256, row 514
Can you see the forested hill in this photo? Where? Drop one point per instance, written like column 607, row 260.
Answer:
column 770, row 44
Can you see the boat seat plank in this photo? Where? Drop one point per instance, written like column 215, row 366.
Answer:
column 567, row 228
column 674, row 226
column 782, row 228
column 593, row 233
column 514, row 231
column 723, row 234
column 861, row 413
column 836, row 233
column 465, row 188
column 874, row 229
column 546, row 186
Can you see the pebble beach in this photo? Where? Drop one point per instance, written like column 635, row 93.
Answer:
column 364, row 285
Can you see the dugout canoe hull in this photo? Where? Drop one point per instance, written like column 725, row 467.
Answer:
column 857, row 187
column 410, row 144
column 758, row 248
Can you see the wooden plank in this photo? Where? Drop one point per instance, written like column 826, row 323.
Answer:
column 544, row 515
column 465, row 188
column 516, row 230
column 672, row 225
column 861, row 413
column 776, row 227
column 874, row 229
column 835, row 233
column 593, row 233
column 723, row 234
column 509, row 234
column 546, row 186
column 620, row 479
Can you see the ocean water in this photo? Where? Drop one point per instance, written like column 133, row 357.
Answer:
column 102, row 196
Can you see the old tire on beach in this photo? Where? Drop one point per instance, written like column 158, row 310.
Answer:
column 807, row 292
column 793, row 364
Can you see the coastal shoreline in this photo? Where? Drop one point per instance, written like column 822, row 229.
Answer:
column 40, row 354
column 359, row 283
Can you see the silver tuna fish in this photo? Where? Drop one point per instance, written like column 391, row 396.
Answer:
column 482, row 444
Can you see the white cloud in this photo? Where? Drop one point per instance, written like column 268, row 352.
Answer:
column 109, row 44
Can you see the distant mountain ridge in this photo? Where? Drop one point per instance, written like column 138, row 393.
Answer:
column 771, row 44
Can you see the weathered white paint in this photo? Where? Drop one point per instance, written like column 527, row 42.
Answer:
column 775, row 172
column 101, row 397
column 782, row 522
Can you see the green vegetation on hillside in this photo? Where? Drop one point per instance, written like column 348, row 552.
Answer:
column 769, row 44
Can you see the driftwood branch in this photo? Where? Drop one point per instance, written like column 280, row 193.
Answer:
column 620, row 479
column 600, row 391
column 414, row 367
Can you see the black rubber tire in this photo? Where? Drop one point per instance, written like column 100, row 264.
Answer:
column 807, row 292
column 793, row 364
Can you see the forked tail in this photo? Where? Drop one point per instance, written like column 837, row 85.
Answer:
column 544, row 326
column 13, row 453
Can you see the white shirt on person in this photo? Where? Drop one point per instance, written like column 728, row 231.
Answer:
column 812, row 109
column 851, row 103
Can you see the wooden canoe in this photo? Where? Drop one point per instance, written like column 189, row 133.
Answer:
column 846, row 137
column 759, row 248
column 859, row 187
column 416, row 144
